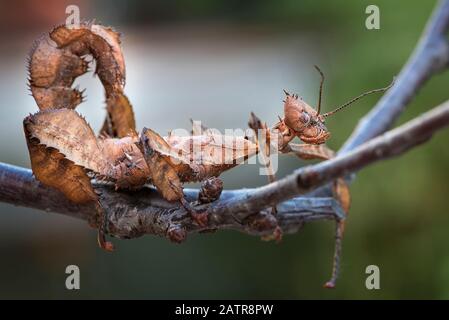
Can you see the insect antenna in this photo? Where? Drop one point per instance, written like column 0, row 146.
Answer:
column 357, row 98
column 321, row 89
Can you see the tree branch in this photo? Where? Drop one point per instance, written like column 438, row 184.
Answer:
column 132, row 214
column 430, row 56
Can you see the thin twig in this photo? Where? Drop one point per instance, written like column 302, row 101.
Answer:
column 429, row 57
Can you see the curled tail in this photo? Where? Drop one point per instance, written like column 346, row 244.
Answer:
column 59, row 57
column 62, row 146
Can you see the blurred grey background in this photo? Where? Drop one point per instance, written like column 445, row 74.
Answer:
column 216, row 61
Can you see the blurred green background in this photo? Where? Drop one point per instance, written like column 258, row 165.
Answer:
column 216, row 61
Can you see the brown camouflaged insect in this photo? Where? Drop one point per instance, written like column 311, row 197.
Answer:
column 66, row 154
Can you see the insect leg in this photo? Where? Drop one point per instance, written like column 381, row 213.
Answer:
column 164, row 176
column 341, row 193
column 210, row 190
column 102, row 229
column 309, row 151
column 340, row 226
column 119, row 121
column 53, row 169
column 200, row 217
column 256, row 124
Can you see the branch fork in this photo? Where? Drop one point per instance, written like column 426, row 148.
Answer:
column 303, row 196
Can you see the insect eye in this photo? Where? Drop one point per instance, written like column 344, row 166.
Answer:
column 305, row 117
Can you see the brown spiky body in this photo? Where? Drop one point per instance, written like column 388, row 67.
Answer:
column 64, row 151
